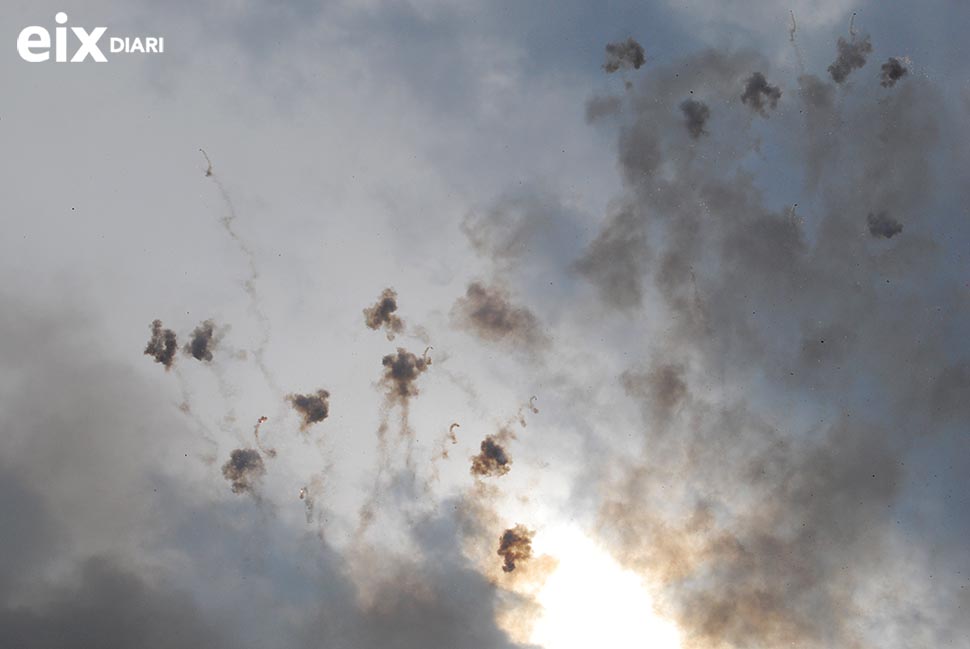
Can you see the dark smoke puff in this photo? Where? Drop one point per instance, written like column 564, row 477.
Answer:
column 852, row 55
column 313, row 408
column 892, row 71
column 244, row 468
column 624, row 54
column 696, row 114
column 493, row 461
column 883, row 225
column 489, row 313
column 162, row 345
column 382, row 314
column 401, row 370
column 201, row 344
column 758, row 93
column 515, row 544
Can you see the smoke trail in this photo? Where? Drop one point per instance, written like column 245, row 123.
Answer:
column 255, row 301
column 794, row 43
column 269, row 452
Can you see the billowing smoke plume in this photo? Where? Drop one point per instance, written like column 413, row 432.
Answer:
column 313, row 408
column 759, row 94
column 783, row 437
column 244, row 470
column 892, row 71
column 515, row 544
column 883, row 225
column 200, row 345
column 852, row 56
column 489, row 313
column 696, row 114
column 493, row 460
column 624, row 54
column 162, row 345
column 381, row 314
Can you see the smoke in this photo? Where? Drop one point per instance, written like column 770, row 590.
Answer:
column 401, row 372
column 451, row 437
column 162, row 346
column 382, row 314
column 268, row 452
column 250, row 284
column 313, row 408
column 663, row 389
column 892, row 71
column 489, row 313
column 852, row 56
column 599, row 107
column 779, row 424
column 624, row 54
column 759, row 94
column 696, row 114
column 493, row 460
column 616, row 259
column 883, row 225
column 515, row 544
column 201, row 344
column 243, row 470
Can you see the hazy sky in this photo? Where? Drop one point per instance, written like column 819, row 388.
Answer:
column 704, row 318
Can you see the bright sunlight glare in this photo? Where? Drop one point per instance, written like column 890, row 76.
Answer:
column 591, row 601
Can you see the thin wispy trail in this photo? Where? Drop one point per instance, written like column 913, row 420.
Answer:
column 399, row 381
column 255, row 300
column 792, row 30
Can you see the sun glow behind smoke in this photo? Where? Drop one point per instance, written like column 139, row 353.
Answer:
column 591, row 601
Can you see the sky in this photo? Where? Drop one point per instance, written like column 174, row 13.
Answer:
column 487, row 325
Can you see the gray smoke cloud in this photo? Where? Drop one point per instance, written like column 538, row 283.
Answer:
column 883, row 225
column 624, row 54
column 852, row 56
column 768, row 526
column 892, row 71
column 488, row 312
column 759, row 94
column 696, row 113
column 768, row 413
